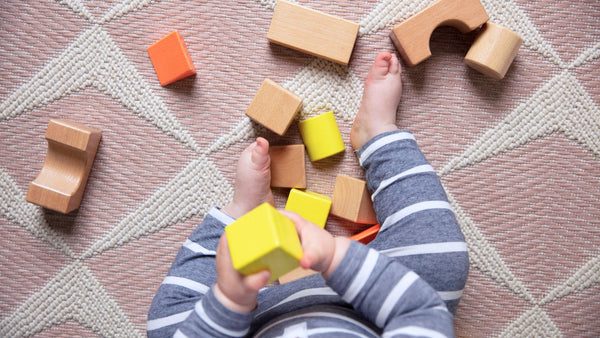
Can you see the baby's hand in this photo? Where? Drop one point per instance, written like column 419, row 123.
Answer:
column 234, row 290
column 322, row 251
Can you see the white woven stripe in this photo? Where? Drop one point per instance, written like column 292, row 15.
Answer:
column 425, row 168
column 411, row 209
column 197, row 248
column 186, row 283
column 414, row 331
column 362, row 276
column 450, row 295
column 394, row 296
column 426, row 249
column 159, row 323
column 202, row 314
column 317, row 314
column 373, row 147
column 221, row 216
column 306, row 293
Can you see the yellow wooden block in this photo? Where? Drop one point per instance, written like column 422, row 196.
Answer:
column 310, row 205
column 264, row 239
column 321, row 136
column 274, row 107
column 312, row 32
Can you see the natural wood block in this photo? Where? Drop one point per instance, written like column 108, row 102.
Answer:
column 493, row 50
column 288, row 166
column 352, row 201
column 313, row 32
column 274, row 107
column 171, row 59
column 368, row 235
column 310, row 205
column 296, row 274
column 264, row 239
column 321, row 136
column 71, row 151
column 411, row 37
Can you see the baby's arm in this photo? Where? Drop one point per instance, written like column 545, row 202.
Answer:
column 383, row 290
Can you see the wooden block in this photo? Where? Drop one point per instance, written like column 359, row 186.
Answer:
column 171, row 59
column 310, row 205
column 71, row 151
column 493, row 50
column 312, row 32
column 368, row 235
column 296, row 274
column 288, row 166
column 351, row 200
column 264, row 239
column 274, row 107
column 321, row 136
column 411, row 37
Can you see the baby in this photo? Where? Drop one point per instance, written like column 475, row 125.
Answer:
column 406, row 282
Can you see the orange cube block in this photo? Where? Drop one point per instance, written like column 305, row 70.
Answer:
column 171, row 59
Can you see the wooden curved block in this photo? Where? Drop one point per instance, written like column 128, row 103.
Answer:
column 411, row 37
column 493, row 50
column 71, row 151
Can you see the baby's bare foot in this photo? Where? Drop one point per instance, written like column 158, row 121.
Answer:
column 381, row 96
column 252, row 181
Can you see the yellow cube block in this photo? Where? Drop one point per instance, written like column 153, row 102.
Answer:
column 264, row 239
column 321, row 136
column 310, row 205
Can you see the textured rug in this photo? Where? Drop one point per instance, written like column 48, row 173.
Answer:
column 519, row 157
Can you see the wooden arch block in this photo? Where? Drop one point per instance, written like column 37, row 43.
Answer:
column 411, row 37
column 71, row 151
column 493, row 50
column 352, row 201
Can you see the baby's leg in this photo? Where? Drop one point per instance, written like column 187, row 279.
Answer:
column 193, row 271
column 418, row 225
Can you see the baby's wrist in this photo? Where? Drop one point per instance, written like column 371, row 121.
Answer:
column 231, row 304
column 341, row 245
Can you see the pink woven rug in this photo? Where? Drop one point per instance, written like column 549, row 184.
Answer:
column 519, row 157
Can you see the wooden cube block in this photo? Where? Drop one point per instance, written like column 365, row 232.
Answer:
column 368, row 235
column 264, row 239
column 171, row 59
column 351, row 200
column 288, row 166
column 296, row 274
column 274, row 107
column 493, row 50
column 321, row 136
column 310, row 205
column 313, row 32
column 71, row 151
column 411, row 37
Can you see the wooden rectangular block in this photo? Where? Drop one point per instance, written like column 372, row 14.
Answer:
column 264, row 239
column 296, row 274
column 288, row 166
column 310, row 205
column 352, row 201
column 274, row 107
column 313, row 32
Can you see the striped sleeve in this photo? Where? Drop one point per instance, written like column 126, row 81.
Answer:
column 390, row 295
column 189, row 279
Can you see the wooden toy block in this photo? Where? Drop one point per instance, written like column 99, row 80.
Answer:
column 411, row 37
column 288, row 166
column 274, row 107
column 351, row 200
column 296, row 274
column 321, row 136
column 311, row 206
column 368, row 235
column 493, row 50
column 264, row 239
column 71, row 151
column 171, row 59
column 313, row 32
